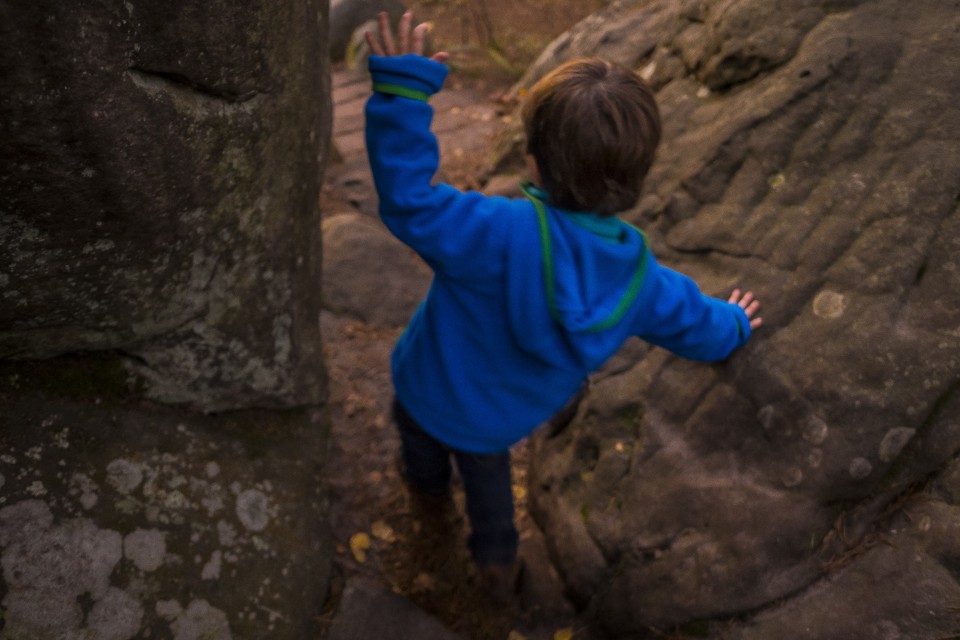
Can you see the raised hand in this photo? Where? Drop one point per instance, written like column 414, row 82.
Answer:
column 749, row 304
column 407, row 40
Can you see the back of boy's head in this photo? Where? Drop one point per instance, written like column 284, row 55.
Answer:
column 593, row 127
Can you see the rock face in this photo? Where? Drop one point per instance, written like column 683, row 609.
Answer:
column 159, row 240
column 160, row 172
column 809, row 154
column 120, row 519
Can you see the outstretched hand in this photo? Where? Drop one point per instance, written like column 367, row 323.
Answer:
column 749, row 304
column 407, row 41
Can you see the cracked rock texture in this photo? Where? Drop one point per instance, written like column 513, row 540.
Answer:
column 123, row 518
column 159, row 181
column 805, row 485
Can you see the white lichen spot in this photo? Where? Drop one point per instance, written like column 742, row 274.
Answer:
column 34, row 453
column 894, row 442
column 213, row 469
column 703, row 92
column 226, row 533
column 252, row 510
column 815, row 430
column 8, row 459
column 211, row 570
column 89, row 500
column 860, row 468
column 200, row 620
column 175, row 501
column 168, row 609
column 36, row 489
column 213, row 504
column 60, row 438
column 815, row 458
column 128, row 505
column 124, row 475
column 829, row 304
column 54, row 566
column 117, row 615
column 146, row 548
column 766, row 415
column 88, row 173
column 82, row 484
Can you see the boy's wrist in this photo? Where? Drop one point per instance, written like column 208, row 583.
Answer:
column 409, row 75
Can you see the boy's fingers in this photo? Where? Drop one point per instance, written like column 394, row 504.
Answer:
column 385, row 34
column 735, row 296
column 374, row 45
column 756, row 322
column 440, row 56
column 752, row 309
column 419, row 34
column 403, row 33
column 745, row 300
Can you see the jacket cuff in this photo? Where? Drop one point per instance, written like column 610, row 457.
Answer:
column 410, row 75
column 743, row 325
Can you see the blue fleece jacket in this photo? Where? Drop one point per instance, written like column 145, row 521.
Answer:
column 527, row 300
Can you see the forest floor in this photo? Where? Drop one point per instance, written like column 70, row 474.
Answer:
column 378, row 533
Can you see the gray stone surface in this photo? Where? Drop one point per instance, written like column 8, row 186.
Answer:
column 369, row 274
column 158, row 191
column 123, row 519
column 371, row 610
column 159, row 240
column 808, row 154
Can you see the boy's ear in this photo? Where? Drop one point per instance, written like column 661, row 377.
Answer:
column 533, row 170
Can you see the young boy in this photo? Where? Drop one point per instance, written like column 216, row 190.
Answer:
column 529, row 296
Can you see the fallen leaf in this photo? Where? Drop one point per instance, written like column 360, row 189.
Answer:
column 382, row 531
column 359, row 543
column 519, row 492
column 563, row 634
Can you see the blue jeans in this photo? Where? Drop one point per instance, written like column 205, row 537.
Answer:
column 486, row 483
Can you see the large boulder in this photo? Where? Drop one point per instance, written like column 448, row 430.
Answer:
column 159, row 240
column 809, row 154
column 368, row 273
column 160, row 177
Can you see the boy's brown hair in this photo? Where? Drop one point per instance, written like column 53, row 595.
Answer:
column 592, row 126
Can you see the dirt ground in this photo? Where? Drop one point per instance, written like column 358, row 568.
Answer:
column 378, row 532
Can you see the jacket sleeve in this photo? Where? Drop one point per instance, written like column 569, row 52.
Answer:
column 455, row 232
column 680, row 318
